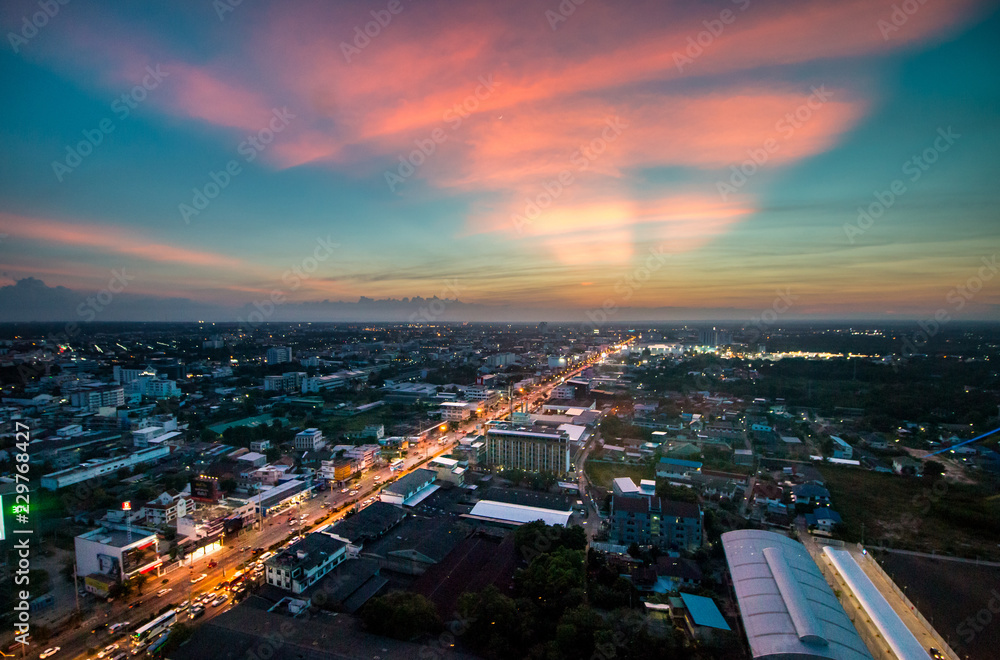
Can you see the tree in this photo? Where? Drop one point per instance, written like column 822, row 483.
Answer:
column 496, row 628
column 400, row 614
column 933, row 469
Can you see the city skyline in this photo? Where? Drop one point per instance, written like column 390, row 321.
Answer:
column 533, row 161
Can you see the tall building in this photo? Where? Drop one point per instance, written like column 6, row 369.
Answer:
column 278, row 355
column 534, row 451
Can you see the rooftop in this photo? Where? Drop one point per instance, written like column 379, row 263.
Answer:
column 787, row 607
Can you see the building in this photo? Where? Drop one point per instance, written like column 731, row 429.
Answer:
column 787, row 608
column 511, row 514
column 125, row 375
column 743, row 457
column 411, row 489
column 278, row 355
column 115, row 553
column 448, row 470
column 260, row 446
column 290, row 381
column 455, row 411
column 166, row 509
column 510, row 447
column 676, row 467
column 101, row 467
column 376, row 431
column 275, row 499
column 810, row 494
column 210, row 523
column 304, row 562
column 655, row 521
column 93, row 399
column 338, row 381
column 841, row 449
column 309, row 440
column 368, row 524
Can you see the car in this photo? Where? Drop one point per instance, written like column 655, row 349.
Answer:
column 220, row 600
column 135, row 604
column 100, row 626
column 196, row 580
column 163, row 592
column 48, row 653
column 344, row 490
column 180, row 607
column 935, row 654
column 107, row 650
column 353, row 493
column 115, row 627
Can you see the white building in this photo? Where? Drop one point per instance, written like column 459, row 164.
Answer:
column 309, row 440
column 96, row 398
column 455, row 411
column 840, row 448
column 100, row 467
column 111, row 552
column 305, row 562
column 290, row 381
column 166, row 509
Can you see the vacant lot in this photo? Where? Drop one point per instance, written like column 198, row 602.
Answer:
column 601, row 473
column 915, row 514
column 948, row 594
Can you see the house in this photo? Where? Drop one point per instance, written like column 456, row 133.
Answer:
column 676, row 467
column 823, row 519
column 810, row 494
column 840, row 448
column 167, row 508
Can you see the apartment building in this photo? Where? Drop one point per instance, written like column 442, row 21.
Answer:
column 509, row 447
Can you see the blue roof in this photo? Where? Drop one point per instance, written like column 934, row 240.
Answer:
column 704, row 611
column 680, row 462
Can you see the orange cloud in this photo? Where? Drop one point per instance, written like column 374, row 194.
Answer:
column 111, row 240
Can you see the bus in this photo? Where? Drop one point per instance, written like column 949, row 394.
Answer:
column 154, row 627
column 157, row 644
column 396, row 464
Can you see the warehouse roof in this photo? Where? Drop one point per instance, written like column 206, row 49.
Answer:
column 786, row 605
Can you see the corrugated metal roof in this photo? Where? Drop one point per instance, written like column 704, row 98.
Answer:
column 704, row 611
column 786, row 605
column 518, row 513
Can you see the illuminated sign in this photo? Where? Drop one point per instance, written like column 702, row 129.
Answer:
column 126, row 506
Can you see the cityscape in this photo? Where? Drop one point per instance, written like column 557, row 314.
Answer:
column 558, row 330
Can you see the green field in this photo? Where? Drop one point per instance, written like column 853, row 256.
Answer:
column 915, row 513
column 601, row 473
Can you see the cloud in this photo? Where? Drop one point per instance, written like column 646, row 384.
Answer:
column 110, row 239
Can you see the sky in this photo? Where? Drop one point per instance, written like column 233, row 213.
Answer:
column 529, row 160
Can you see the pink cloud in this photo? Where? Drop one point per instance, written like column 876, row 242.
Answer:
column 110, row 239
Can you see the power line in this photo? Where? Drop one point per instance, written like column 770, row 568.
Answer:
column 965, row 442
